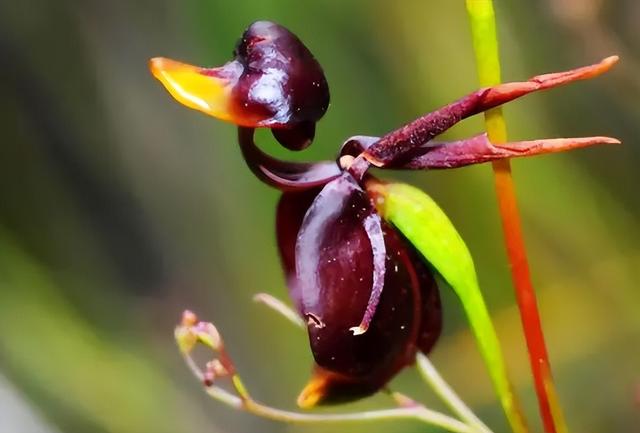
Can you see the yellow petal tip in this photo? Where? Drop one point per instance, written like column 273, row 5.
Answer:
column 189, row 86
column 312, row 393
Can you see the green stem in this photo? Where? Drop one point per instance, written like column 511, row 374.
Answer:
column 281, row 308
column 442, row 389
column 425, row 368
column 243, row 401
column 483, row 27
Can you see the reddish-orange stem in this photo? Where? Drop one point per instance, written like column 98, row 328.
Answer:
column 525, row 295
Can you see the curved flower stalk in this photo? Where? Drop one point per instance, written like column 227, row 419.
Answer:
column 192, row 332
column 359, row 255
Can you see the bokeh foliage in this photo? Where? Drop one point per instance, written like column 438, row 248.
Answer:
column 119, row 208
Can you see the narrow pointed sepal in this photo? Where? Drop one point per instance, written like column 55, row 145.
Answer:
column 506, row 92
column 397, row 146
column 478, row 149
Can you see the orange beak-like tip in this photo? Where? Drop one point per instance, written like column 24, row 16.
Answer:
column 605, row 64
column 611, row 60
column 161, row 66
column 155, row 65
column 189, row 86
column 313, row 392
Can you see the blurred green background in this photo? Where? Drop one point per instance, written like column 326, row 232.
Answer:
column 119, row 208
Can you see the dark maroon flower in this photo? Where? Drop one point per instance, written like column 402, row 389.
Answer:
column 369, row 298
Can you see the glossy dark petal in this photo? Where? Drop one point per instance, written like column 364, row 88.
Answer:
column 396, row 146
column 329, row 386
column 282, row 83
column 289, row 215
column 297, row 137
column 431, row 309
column 328, row 260
column 335, row 270
column 284, row 175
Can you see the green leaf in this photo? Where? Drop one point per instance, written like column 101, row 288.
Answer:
column 429, row 229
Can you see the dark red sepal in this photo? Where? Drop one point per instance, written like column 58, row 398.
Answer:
column 284, row 175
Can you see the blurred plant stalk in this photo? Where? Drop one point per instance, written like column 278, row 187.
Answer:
column 191, row 332
column 483, row 28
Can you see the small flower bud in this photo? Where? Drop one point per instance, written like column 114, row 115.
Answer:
column 208, row 335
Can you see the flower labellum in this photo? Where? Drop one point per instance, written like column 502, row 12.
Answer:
column 274, row 81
